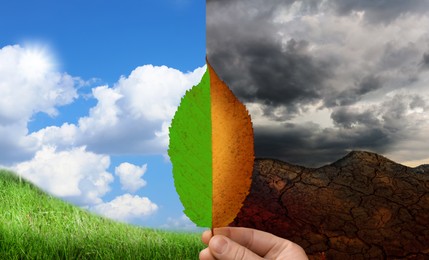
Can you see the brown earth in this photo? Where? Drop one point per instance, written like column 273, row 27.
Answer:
column 363, row 206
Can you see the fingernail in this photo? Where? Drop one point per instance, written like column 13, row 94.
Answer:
column 219, row 245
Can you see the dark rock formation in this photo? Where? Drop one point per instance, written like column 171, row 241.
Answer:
column 364, row 206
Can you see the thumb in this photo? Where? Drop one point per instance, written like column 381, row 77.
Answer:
column 224, row 248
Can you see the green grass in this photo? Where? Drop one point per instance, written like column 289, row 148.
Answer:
column 34, row 225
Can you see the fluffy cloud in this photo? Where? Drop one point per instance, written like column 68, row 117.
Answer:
column 70, row 161
column 75, row 175
column 130, row 176
column 133, row 115
column 324, row 77
column 126, row 208
column 29, row 83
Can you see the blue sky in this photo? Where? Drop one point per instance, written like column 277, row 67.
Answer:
column 88, row 90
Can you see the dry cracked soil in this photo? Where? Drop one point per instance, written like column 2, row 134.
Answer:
column 363, row 206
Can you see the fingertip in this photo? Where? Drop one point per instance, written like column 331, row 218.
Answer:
column 218, row 244
column 206, row 255
column 221, row 247
column 206, row 236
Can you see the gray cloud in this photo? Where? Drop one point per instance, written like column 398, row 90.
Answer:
column 375, row 129
column 348, row 118
column 383, row 11
column 359, row 61
column 272, row 76
column 312, row 146
column 425, row 61
column 354, row 93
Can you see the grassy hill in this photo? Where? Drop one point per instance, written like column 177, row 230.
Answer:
column 34, row 225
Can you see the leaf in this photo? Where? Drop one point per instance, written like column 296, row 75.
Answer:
column 211, row 149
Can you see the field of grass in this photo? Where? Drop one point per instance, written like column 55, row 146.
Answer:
column 34, row 225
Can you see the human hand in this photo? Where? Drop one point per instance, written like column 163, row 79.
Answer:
column 233, row 243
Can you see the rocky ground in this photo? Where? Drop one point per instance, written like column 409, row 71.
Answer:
column 363, row 206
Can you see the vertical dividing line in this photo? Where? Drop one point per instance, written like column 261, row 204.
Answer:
column 211, row 135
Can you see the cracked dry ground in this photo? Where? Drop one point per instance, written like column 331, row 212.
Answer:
column 363, row 206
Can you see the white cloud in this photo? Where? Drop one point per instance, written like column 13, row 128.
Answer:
column 29, row 83
column 141, row 104
column 130, row 176
column 133, row 115
column 182, row 223
column 126, row 208
column 70, row 161
column 62, row 137
column 105, row 114
column 75, row 175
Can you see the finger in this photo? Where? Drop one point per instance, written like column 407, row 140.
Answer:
column 205, row 237
column 224, row 248
column 205, row 254
column 257, row 241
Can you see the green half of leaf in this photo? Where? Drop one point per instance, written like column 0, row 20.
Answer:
column 190, row 152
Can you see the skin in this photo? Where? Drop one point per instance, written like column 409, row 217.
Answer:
column 232, row 243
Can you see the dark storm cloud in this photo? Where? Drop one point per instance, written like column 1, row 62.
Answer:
column 418, row 102
column 425, row 61
column 346, row 117
column 353, row 93
column 243, row 49
column 368, row 84
column 380, row 10
column 322, row 54
column 375, row 129
column 311, row 146
column 270, row 75
column 376, row 11
column 217, row 1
